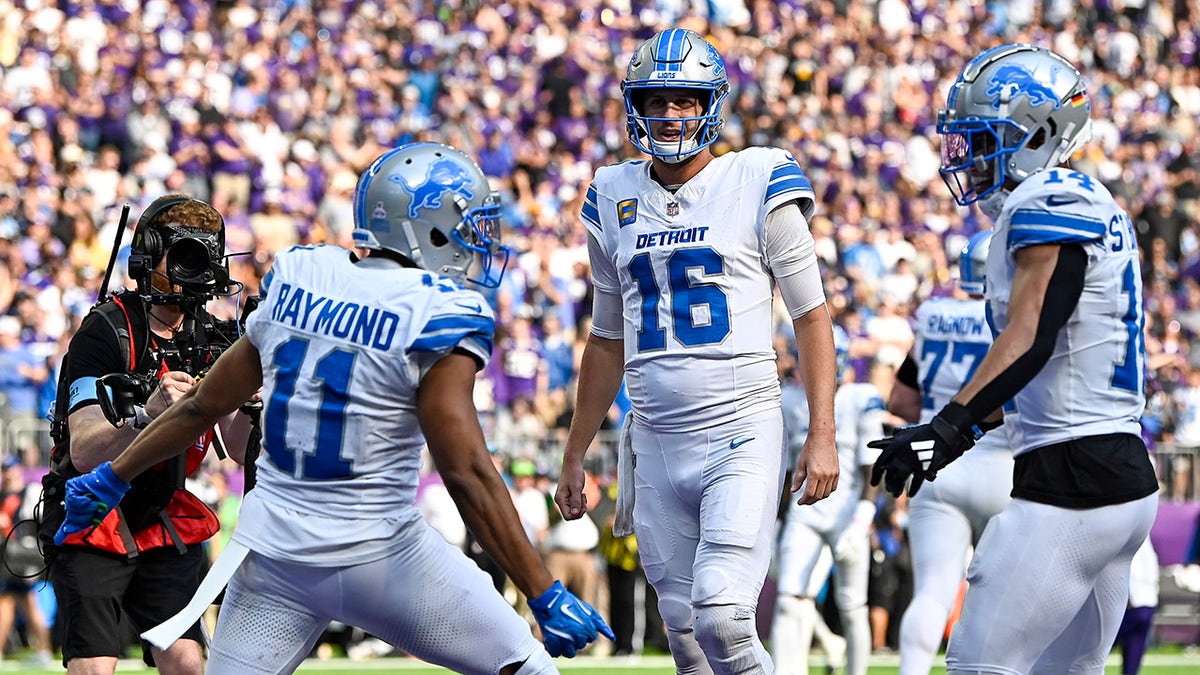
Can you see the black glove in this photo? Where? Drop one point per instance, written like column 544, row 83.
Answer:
column 921, row 451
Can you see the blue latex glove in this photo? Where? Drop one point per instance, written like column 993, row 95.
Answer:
column 88, row 500
column 568, row 624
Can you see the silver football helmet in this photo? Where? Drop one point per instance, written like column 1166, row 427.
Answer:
column 972, row 263
column 1013, row 111
column 432, row 204
column 675, row 59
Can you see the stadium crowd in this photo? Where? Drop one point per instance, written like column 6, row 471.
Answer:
column 270, row 110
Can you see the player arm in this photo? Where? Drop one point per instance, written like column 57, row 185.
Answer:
column 234, row 378
column 1046, row 288
column 816, row 361
column 451, row 427
column 905, row 399
column 601, row 369
column 817, row 467
column 791, row 255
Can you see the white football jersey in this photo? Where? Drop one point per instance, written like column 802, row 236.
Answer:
column 858, row 413
column 691, row 269
column 952, row 336
column 1093, row 383
column 343, row 349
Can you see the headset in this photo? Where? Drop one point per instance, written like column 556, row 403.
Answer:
column 149, row 244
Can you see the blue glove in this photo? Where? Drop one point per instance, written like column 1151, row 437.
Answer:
column 568, row 624
column 88, row 500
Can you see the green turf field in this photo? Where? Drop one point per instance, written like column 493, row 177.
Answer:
column 1154, row 664
column 1174, row 663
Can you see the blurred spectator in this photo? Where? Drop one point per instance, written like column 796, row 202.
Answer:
column 22, row 561
column 531, row 502
column 22, row 374
column 273, row 110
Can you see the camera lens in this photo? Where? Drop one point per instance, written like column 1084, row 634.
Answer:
column 188, row 262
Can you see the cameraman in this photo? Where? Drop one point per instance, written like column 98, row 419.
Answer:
column 144, row 559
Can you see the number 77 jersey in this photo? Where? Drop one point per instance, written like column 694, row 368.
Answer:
column 696, row 288
column 1094, row 381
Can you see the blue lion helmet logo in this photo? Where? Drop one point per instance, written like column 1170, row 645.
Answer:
column 444, row 175
column 1011, row 80
column 715, row 58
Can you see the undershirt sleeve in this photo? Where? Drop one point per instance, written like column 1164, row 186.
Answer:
column 791, row 255
column 606, row 315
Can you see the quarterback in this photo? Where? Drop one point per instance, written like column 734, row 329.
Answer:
column 1049, row 581
column 686, row 250
column 363, row 362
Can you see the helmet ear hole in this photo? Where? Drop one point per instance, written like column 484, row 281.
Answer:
column 437, row 238
column 1038, row 138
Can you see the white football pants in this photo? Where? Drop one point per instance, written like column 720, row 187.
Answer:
column 1048, row 588
column 705, row 519
column 945, row 519
column 803, row 567
column 428, row 599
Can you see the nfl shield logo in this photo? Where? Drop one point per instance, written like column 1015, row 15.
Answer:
column 672, row 208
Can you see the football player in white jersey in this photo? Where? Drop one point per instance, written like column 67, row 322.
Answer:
column 948, row 517
column 686, row 250
column 362, row 362
column 1049, row 581
column 842, row 524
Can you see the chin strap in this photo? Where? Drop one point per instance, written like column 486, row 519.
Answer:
column 992, row 204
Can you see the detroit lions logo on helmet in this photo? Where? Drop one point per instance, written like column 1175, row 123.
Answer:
column 444, row 175
column 714, row 58
column 1011, row 80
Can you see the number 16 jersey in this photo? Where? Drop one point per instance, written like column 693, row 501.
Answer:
column 696, row 288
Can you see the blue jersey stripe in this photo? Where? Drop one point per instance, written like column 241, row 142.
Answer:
column 786, row 178
column 787, row 186
column 590, row 212
column 458, row 322
column 445, row 332
column 445, row 340
column 787, row 169
column 1029, row 226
